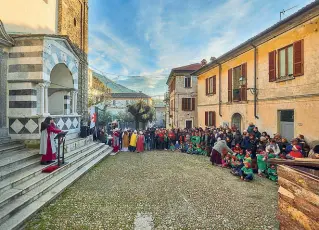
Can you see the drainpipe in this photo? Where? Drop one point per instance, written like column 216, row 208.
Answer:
column 219, row 90
column 255, row 81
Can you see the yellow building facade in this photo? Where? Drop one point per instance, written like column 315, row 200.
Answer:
column 271, row 80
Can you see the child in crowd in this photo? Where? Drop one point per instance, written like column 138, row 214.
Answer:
column 261, row 163
column 295, row 152
column 237, row 149
column 236, row 166
column 184, row 147
column 246, row 173
column 240, row 156
column 172, row 147
column 177, row 146
column 190, row 148
column 226, row 161
column 272, row 173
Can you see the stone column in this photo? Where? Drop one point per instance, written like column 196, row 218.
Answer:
column 41, row 88
column 46, row 99
column 75, row 102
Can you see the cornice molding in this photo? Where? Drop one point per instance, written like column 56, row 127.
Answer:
column 5, row 39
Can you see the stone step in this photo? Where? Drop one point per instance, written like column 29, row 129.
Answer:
column 37, row 180
column 10, row 147
column 75, row 143
column 10, row 171
column 24, row 175
column 10, row 159
column 14, row 215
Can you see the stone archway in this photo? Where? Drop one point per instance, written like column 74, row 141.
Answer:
column 237, row 121
column 61, row 85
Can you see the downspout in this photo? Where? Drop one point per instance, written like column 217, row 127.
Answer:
column 219, row 90
column 255, row 81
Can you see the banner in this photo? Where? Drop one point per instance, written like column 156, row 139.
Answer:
column 92, row 117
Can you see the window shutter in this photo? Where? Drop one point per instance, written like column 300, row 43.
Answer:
column 183, row 104
column 213, row 118
column 206, row 118
column 207, row 80
column 230, row 84
column 272, row 65
column 214, row 84
column 243, row 95
column 298, row 58
column 185, row 82
column 193, row 103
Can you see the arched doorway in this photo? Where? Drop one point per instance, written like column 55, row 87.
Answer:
column 60, row 89
column 236, row 120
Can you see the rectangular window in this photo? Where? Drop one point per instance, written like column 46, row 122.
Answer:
column 211, row 85
column 188, row 104
column 236, row 83
column 286, row 62
column 210, row 118
column 188, row 82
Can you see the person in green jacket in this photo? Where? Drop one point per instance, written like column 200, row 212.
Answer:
column 272, row 173
column 190, row 149
column 246, row 173
column 172, row 147
column 240, row 156
column 261, row 163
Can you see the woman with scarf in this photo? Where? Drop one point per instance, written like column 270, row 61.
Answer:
column 47, row 144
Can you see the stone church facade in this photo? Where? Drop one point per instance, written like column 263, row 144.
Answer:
column 44, row 73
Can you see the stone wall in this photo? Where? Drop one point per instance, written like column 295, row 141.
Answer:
column 73, row 21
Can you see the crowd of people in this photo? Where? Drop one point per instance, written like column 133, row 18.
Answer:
column 246, row 153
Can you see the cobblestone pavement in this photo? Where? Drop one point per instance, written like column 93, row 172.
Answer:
column 161, row 190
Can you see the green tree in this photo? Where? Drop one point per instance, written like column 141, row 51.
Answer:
column 141, row 112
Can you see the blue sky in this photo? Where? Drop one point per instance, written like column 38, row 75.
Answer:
column 142, row 40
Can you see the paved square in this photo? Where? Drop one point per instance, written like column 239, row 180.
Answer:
column 161, row 190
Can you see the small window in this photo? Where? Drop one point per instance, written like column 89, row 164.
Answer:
column 210, row 118
column 74, row 22
column 188, row 104
column 188, row 82
column 211, row 85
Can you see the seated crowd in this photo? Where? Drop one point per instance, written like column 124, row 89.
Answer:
column 244, row 153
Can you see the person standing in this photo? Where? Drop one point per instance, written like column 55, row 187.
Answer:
column 116, row 140
column 47, row 144
column 133, row 141
column 125, row 141
column 140, row 142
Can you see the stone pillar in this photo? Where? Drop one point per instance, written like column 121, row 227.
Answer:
column 46, row 99
column 42, row 98
column 75, row 102
column 67, row 105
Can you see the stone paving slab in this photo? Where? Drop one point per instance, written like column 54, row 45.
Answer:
column 161, row 190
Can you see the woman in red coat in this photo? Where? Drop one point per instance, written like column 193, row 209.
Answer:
column 47, row 145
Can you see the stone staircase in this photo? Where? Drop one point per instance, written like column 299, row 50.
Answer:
column 24, row 189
